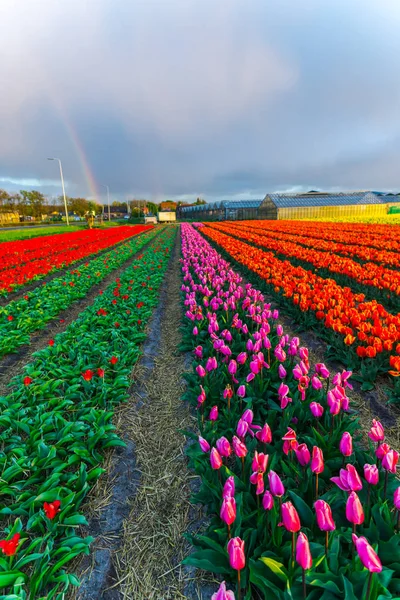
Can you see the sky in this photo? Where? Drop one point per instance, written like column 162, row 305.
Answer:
column 212, row 98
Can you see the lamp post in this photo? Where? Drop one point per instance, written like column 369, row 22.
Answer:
column 108, row 200
column 63, row 188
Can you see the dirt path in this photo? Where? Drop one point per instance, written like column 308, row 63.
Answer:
column 11, row 364
column 139, row 533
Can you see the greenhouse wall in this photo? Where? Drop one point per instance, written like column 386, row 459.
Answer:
column 333, row 212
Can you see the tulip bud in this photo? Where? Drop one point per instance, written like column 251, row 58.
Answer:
column 229, row 487
column 371, row 474
column 223, row 446
column 390, row 460
column 241, row 358
column 213, row 413
column 316, row 383
column 354, row 509
column 367, row 554
column 303, row 454
column 317, row 462
column 382, row 450
column 290, row 517
column 204, row 445
column 239, row 447
column 275, row 484
column 232, row 367
column 303, row 553
column 241, row 391
column 346, row 444
column 396, row 498
column 324, row 516
column 316, row 409
column 223, row 593
column 265, row 435
column 268, row 500
column 215, row 459
column 195, row 331
column 376, row 433
column 281, row 372
column 228, row 510
column 236, row 555
column 200, row 371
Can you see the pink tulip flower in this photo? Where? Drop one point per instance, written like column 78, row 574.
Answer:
column 382, row 450
column 290, row 517
column 348, row 480
column 223, row 593
column 376, row 433
column 303, row 454
column 223, row 447
column 316, row 409
column 303, row 553
column 275, row 484
column 236, row 554
column 354, row 510
column 265, row 434
column 228, row 510
column 268, row 501
column 204, row 445
column 371, row 474
column 317, row 461
column 215, row 459
column 346, row 444
column 367, row 554
column 200, row 371
column 213, row 413
column 229, row 487
column 390, row 460
column 324, row 516
column 239, row 447
column 241, row 391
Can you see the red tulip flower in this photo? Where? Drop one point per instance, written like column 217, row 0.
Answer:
column 113, row 360
column 27, row 380
column 51, row 342
column 10, row 318
column 88, row 375
column 9, row 547
column 52, row 508
column 100, row 372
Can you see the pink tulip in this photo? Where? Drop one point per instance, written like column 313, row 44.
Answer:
column 228, row 510
column 200, row 371
column 232, row 367
column 303, row 554
column 265, row 435
column 390, row 460
column 348, row 480
column 241, row 358
column 198, row 351
column 248, row 416
column 316, row 383
column 289, row 441
column 223, row 593
column 241, row 391
column 223, row 447
column 213, row 413
column 275, row 484
column 257, row 479
column 204, row 445
column 215, row 459
column 316, row 409
column 346, row 444
column 396, row 498
column 317, row 462
column 260, row 462
column 382, row 450
column 354, row 509
column 239, row 447
column 290, row 517
column 371, row 474
column 211, row 364
column 201, row 397
column 303, row 454
column 321, row 370
column 268, row 501
column 236, row 555
column 367, row 554
column 324, row 516
column 376, row 433
column 195, row 331
column 229, row 488
column 281, row 372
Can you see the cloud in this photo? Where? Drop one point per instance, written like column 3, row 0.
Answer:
column 179, row 98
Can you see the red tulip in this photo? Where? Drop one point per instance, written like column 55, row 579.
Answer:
column 275, row 484
column 88, row 375
column 27, row 380
column 376, row 433
column 9, row 547
column 367, row 554
column 228, row 510
column 303, row 554
column 354, row 509
column 51, row 342
column 236, row 555
column 113, row 360
column 346, row 444
column 290, row 517
column 317, row 462
column 215, row 459
column 100, row 372
column 52, row 508
column 324, row 516
column 303, row 454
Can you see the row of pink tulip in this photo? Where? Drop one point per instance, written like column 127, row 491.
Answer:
column 265, row 415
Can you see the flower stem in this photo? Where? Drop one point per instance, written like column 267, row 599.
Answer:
column 304, row 585
column 243, row 467
column 316, row 486
column 369, row 585
column 326, row 543
column 239, row 586
column 293, row 545
column 385, row 487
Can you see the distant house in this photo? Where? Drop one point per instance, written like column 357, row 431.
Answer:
column 168, row 205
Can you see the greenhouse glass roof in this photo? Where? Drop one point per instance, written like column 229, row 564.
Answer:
column 299, row 200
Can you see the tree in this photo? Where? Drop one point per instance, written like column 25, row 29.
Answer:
column 200, row 201
column 32, row 203
column 78, row 205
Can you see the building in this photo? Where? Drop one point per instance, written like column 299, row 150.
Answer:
column 310, row 205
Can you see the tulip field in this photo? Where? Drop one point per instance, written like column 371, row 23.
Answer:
column 298, row 499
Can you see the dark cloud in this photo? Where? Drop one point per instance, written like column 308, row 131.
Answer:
column 222, row 99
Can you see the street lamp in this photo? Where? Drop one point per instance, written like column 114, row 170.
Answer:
column 108, row 199
column 63, row 188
